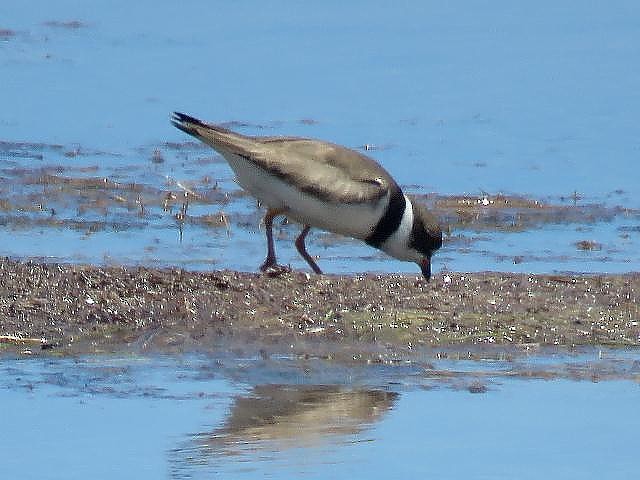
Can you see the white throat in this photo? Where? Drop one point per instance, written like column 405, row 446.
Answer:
column 397, row 245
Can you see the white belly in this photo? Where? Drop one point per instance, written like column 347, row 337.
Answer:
column 354, row 220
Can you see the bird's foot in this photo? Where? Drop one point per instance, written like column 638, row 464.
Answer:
column 275, row 270
column 269, row 262
column 271, row 268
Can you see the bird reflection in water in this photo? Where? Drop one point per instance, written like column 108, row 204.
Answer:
column 273, row 418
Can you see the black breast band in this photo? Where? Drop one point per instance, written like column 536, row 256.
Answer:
column 390, row 221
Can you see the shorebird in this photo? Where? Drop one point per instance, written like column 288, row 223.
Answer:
column 323, row 185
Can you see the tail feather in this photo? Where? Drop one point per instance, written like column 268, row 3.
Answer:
column 218, row 137
column 183, row 117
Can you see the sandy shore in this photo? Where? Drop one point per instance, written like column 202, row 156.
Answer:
column 88, row 308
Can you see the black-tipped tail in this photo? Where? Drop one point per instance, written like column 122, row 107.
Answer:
column 218, row 137
column 184, row 118
column 186, row 123
column 199, row 129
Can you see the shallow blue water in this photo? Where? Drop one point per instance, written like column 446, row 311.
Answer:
column 460, row 97
column 202, row 417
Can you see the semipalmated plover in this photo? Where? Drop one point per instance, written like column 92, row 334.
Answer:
column 323, row 185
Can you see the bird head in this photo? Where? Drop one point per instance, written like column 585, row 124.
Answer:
column 425, row 237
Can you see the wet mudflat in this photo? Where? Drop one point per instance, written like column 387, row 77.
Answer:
column 158, row 242
column 82, row 308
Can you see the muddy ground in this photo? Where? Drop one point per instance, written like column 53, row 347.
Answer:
column 68, row 307
column 71, row 308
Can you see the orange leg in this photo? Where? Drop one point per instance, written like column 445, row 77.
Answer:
column 302, row 249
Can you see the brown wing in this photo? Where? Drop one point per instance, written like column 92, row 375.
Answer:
column 322, row 169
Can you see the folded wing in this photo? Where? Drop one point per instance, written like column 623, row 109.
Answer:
column 325, row 170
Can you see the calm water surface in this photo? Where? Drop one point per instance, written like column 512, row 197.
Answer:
column 194, row 416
